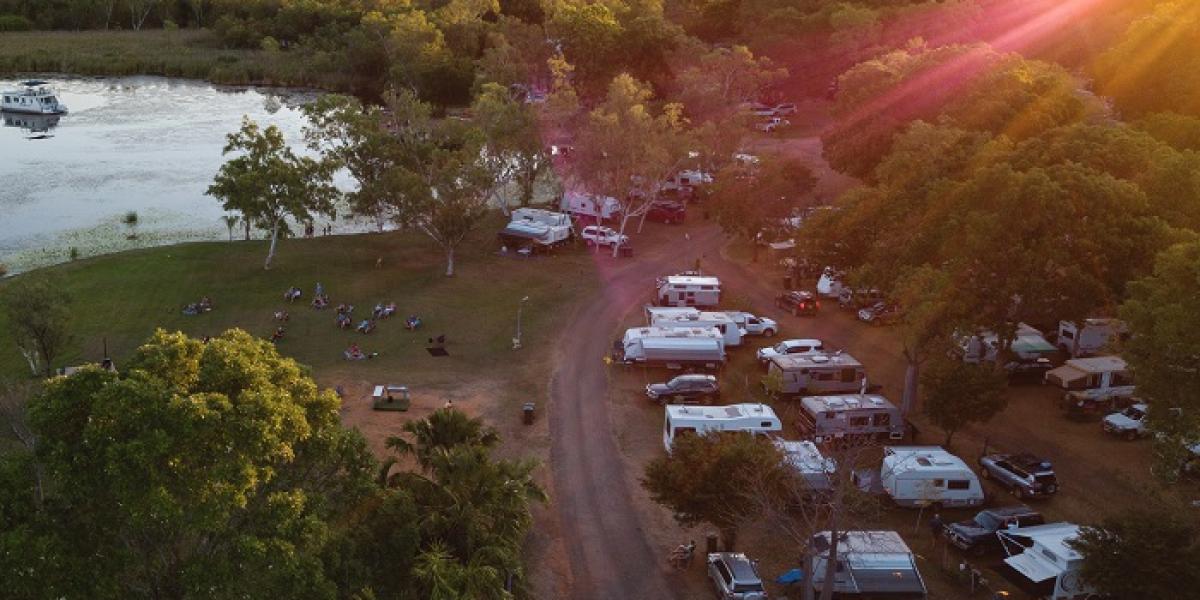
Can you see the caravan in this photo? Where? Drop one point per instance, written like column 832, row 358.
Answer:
column 718, row 320
column 1094, row 336
column 915, row 476
column 816, row 373
column 869, row 416
column 687, row 290
column 672, row 348
column 1030, row 353
column 537, row 228
column 870, row 564
column 803, row 457
column 590, row 206
column 1043, row 564
column 682, row 419
column 1100, row 382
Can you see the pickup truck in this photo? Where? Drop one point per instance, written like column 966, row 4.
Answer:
column 977, row 536
column 603, row 236
column 754, row 325
column 798, row 303
column 1129, row 423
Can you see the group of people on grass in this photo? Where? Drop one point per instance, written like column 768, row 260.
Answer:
column 343, row 318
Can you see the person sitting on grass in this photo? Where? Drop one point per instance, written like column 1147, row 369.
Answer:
column 292, row 294
column 345, row 309
column 320, row 301
column 389, row 310
column 412, row 322
column 205, row 304
column 366, row 326
column 378, row 312
column 191, row 309
column 278, row 335
column 354, row 353
column 281, row 315
column 343, row 321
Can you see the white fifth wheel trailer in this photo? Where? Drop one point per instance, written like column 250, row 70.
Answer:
column 681, row 419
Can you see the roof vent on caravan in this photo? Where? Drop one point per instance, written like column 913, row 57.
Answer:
column 817, row 358
column 733, row 411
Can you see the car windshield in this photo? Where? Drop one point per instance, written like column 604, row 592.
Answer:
column 987, row 521
column 747, row 587
column 1045, row 479
column 1134, row 413
column 781, row 348
column 675, row 384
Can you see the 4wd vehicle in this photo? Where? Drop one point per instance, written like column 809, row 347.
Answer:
column 855, row 299
column 803, row 346
column 1129, row 423
column 602, row 236
column 880, row 313
column 977, row 536
column 685, row 389
column 735, row 577
column 1025, row 475
column 667, row 211
column 772, row 124
column 798, row 303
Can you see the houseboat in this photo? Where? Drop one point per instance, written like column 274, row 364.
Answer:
column 35, row 98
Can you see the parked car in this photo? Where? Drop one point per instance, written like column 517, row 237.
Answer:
column 685, row 389
column 1129, row 423
column 798, row 303
column 977, row 536
column 1025, row 475
column 667, row 211
column 602, row 236
column 787, row 108
column 855, row 299
column 802, row 346
column 735, row 577
column 773, row 123
column 880, row 313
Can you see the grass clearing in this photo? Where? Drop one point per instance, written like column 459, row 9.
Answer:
column 193, row 54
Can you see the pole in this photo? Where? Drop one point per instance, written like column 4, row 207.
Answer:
column 517, row 339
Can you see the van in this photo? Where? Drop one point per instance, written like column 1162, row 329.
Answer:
column 817, row 373
column 688, row 290
column 681, row 419
column 916, row 476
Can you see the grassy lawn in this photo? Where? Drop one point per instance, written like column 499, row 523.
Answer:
column 122, row 298
column 184, row 53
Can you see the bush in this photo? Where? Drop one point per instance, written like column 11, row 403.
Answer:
column 15, row 23
column 74, row 253
column 3, row 269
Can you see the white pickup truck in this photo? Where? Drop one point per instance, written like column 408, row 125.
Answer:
column 603, row 236
column 754, row 325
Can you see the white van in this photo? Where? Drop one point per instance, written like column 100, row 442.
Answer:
column 915, row 476
column 688, row 290
column 1095, row 336
column 681, row 419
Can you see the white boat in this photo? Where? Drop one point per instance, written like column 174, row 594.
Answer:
column 35, row 98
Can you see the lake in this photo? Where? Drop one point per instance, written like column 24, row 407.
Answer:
column 145, row 144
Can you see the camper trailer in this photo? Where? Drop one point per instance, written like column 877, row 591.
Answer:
column 830, row 283
column 537, row 228
column 817, row 373
column 682, row 419
column 870, row 564
column 806, row 460
column 851, row 416
column 1031, row 353
column 674, row 348
column 1094, row 336
column 688, row 290
column 590, row 206
column 1101, row 381
column 1042, row 564
column 721, row 321
column 915, row 476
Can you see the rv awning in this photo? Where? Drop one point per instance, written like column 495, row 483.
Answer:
column 1035, row 570
column 516, row 232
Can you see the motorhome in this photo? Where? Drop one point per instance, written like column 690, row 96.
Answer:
column 915, row 476
column 870, row 564
column 1094, row 336
column 806, row 460
column 688, row 290
column 674, row 348
column 1100, row 380
column 537, row 228
column 1043, row 564
column 590, row 206
column 719, row 320
column 681, row 419
column 816, row 373
column 850, row 416
column 1030, row 352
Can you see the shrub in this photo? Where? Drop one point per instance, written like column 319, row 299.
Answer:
column 74, row 253
column 15, row 23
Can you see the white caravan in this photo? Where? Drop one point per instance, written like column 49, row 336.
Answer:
column 673, row 348
column 1042, row 562
column 870, row 564
column 1095, row 336
column 1100, row 379
column 687, row 290
column 865, row 416
column 721, row 321
column 537, row 227
column 817, row 373
column 917, row 476
column 806, row 460
column 697, row 420
column 830, row 284
column 588, row 205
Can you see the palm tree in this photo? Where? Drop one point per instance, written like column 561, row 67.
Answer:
column 230, row 221
column 441, row 431
column 131, row 222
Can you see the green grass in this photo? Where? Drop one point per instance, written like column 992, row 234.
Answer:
column 122, row 298
column 184, row 53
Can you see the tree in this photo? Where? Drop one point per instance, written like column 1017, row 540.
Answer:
column 627, row 149
column 441, row 431
column 513, row 145
column 230, row 222
column 130, row 220
column 749, row 201
column 202, row 469
column 957, row 393
column 37, row 308
column 268, row 182
column 139, row 10
column 1162, row 350
column 715, row 478
column 722, row 79
column 1146, row 552
column 1156, row 65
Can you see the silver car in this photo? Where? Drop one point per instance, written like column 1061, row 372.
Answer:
column 735, row 577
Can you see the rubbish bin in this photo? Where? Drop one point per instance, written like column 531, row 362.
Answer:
column 710, row 543
column 787, row 282
column 527, row 413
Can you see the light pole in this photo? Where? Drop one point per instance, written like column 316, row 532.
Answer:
column 517, row 339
